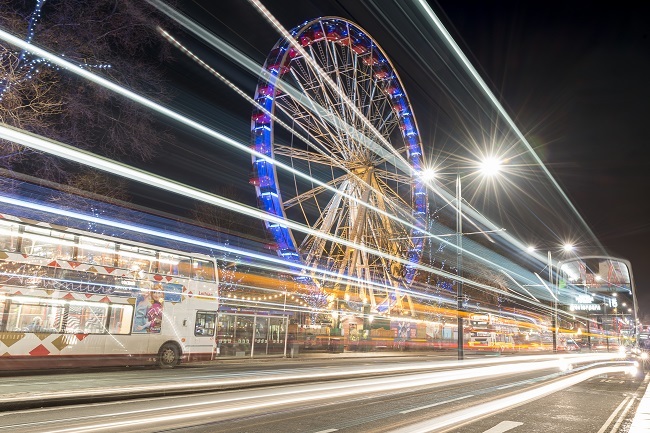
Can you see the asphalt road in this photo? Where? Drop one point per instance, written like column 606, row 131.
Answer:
column 475, row 398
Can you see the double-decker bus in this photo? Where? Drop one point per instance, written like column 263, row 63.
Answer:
column 491, row 332
column 70, row 298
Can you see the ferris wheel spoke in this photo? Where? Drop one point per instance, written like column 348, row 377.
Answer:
column 396, row 177
column 344, row 139
column 345, row 99
column 322, row 126
column 305, row 155
column 328, row 222
column 312, row 193
column 349, row 119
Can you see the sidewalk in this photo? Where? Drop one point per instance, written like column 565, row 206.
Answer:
column 31, row 391
column 641, row 422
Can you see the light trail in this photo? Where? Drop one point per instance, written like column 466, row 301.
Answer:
column 437, row 24
column 227, row 140
column 255, row 69
column 179, row 238
column 217, row 201
column 260, row 399
column 546, row 287
column 165, row 34
column 475, row 412
column 519, row 285
column 87, row 158
column 229, row 405
column 543, row 361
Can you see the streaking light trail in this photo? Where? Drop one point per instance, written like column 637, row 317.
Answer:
column 230, row 404
column 437, row 24
column 475, row 412
column 87, row 158
column 193, row 124
column 255, row 69
column 216, row 200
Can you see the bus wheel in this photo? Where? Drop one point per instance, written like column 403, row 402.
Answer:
column 168, row 356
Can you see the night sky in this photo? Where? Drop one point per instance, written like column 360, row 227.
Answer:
column 573, row 78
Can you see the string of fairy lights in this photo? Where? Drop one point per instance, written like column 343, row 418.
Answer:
column 27, row 65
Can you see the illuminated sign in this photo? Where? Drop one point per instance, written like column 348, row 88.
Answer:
column 584, row 299
column 584, row 307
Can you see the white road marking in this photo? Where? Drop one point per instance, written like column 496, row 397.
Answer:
column 436, row 404
column 641, row 421
column 621, row 418
column 474, row 412
column 503, row 426
column 613, row 415
column 328, row 430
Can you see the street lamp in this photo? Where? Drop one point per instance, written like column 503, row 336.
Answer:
column 488, row 167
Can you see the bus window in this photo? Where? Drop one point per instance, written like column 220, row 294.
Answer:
column 205, row 323
column 47, row 243
column 86, row 318
column 8, row 236
column 135, row 258
column 120, row 319
column 34, row 315
column 172, row 264
column 96, row 251
column 203, row 270
column 3, row 322
column 185, row 267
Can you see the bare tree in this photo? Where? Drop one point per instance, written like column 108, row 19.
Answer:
column 226, row 219
column 113, row 38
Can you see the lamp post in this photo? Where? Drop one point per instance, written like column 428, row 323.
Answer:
column 605, row 323
column 488, row 167
column 459, row 267
column 554, row 321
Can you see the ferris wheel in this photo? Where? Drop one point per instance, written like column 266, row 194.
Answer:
column 332, row 106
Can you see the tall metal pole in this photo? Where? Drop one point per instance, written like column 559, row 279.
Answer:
column 459, row 266
column 605, row 324
column 554, row 321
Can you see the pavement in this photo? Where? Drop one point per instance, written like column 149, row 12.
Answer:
column 50, row 388
column 41, row 390
column 641, row 422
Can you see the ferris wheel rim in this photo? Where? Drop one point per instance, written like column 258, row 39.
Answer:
column 262, row 126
